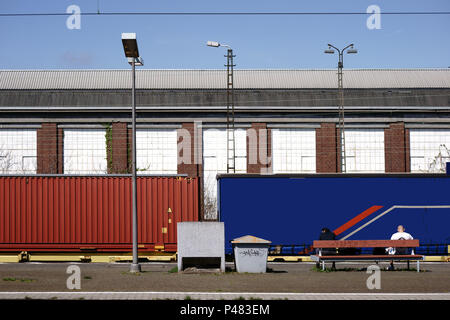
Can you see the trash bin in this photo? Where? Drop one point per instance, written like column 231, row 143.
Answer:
column 250, row 254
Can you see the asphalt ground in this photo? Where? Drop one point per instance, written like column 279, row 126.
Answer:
column 289, row 278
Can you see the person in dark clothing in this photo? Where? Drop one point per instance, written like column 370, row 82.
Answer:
column 327, row 234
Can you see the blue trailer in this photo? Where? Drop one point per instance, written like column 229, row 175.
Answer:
column 292, row 209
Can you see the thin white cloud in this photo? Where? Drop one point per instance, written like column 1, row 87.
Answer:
column 77, row 59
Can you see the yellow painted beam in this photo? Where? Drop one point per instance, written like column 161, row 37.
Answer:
column 306, row 259
column 100, row 259
column 96, row 257
column 437, row 258
column 289, row 258
column 8, row 258
column 157, row 253
column 55, row 257
column 167, row 258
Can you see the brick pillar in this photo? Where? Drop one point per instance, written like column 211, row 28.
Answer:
column 189, row 153
column 259, row 149
column 49, row 149
column 118, row 148
column 407, row 151
column 60, row 135
column 130, row 144
column 327, row 144
column 189, row 157
column 396, row 148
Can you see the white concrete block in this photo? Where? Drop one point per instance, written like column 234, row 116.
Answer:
column 201, row 240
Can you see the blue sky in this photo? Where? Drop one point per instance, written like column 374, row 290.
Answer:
column 408, row 41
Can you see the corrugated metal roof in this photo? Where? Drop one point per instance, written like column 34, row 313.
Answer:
column 216, row 79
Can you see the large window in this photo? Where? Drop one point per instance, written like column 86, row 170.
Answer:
column 85, row 151
column 215, row 161
column 430, row 149
column 17, row 151
column 156, row 151
column 364, row 150
column 294, row 150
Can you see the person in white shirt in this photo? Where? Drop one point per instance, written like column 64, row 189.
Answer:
column 399, row 235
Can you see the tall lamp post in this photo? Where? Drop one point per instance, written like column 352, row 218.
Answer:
column 349, row 50
column 231, row 145
column 132, row 53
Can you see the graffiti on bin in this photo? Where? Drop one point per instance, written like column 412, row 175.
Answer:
column 252, row 252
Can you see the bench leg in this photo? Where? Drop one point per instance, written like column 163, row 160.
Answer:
column 407, row 262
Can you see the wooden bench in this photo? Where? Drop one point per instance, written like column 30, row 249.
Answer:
column 339, row 244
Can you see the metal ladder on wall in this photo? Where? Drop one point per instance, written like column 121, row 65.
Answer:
column 231, row 144
column 341, row 117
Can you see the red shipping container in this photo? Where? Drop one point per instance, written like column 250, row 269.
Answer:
column 93, row 213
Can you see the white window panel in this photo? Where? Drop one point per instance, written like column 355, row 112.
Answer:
column 294, row 150
column 364, row 150
column 156, row 151
column 429, row 149
column 85, row 151
column 215, row 161
column 17, row 151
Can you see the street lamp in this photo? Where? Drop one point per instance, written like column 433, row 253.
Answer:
column 231, row 146
column 132, row 53
column 350, row 50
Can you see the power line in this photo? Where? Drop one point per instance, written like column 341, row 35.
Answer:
column 248, row 13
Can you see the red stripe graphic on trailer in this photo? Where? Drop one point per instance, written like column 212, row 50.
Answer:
column 356, row 219
column 349, row 224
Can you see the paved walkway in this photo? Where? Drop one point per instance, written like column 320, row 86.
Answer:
column 296, row 281
column 222, row 295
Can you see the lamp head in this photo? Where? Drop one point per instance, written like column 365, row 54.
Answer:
column 130, row 45
column 214, row 44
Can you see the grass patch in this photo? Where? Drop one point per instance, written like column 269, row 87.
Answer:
column 19, row 279
column 316, row 269
column 87, row 278
column 239, row 298
column 404, row 270
column 136, row 274
column 127, row 273
column 173, row 270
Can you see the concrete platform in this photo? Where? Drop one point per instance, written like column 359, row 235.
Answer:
column 297, row 280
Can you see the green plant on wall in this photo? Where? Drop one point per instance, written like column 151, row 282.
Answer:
column 109, row 157
column 129, row 162
column 108, row 141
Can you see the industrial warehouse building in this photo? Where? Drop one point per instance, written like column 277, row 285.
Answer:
column 78, row 122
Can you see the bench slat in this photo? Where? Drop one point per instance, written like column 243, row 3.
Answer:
column 365, row 243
